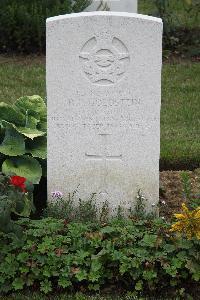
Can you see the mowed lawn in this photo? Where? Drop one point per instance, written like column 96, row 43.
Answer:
column 181, row 13
column 21, row 76
column 180, row 113
column 180, row 116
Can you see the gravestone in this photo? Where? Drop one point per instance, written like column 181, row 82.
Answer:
column 103, row 93
column 113, row 5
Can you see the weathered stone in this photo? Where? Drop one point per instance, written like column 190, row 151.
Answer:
column 103, row 92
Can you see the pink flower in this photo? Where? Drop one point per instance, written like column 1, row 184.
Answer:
column 57, row 194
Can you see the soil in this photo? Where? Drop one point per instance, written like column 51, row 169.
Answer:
column 172, row 192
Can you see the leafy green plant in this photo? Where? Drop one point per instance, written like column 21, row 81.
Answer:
column 139, row 256
column 23, row 137
column 15, row 199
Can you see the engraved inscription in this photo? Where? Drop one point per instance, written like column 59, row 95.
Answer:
column 108, row 102
column 104, row 62
column 132, row 125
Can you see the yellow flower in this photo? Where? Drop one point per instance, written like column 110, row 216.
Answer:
column 188, row 222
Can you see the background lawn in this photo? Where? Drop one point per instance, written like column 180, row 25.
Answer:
column 180, row 116
column 180, row 113
column 21, row 76
column 180, row 12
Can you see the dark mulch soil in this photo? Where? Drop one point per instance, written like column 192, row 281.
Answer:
column 172, row 191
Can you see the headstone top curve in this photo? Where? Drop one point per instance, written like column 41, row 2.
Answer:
column 104, row 13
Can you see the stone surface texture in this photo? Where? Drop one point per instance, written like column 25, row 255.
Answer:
column 104, row 93
column 114, row 5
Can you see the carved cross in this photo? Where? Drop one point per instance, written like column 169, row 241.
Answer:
column 105, row 157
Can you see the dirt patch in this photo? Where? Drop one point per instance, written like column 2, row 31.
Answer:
column 172, row 191
column 26, row 60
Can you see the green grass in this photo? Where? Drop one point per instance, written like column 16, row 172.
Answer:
column 21, row 76
column 180, row 113
column 180, row 116
column 181, row 14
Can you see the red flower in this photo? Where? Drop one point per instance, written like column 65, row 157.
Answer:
column 18, row 181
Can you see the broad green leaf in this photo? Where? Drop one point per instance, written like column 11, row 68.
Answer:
column 107, row 229
column 23, row 207
column 169, row 248
column 43, row 124
column 193, row 266
column 45, row 286
column 139, row 285
column 12, row 115
column 149, row 240
column 34, row 105
column 31, row 122
column 149, row 274
column 18, row 283
column 13, row 143
column 81, row 275
column 28, row 132
column 37, row 147
column 64, row 282
column 24, row 166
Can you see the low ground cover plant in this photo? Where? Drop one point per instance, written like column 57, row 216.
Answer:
column 141, row 254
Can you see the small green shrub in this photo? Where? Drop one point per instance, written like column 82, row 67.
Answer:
column 138, row 255
column 23, row 137
column 22, row 22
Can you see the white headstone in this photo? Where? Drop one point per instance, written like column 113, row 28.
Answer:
column 113, row 5
column 104, row 91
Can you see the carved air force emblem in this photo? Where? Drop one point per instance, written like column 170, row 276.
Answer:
column 104, row 62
